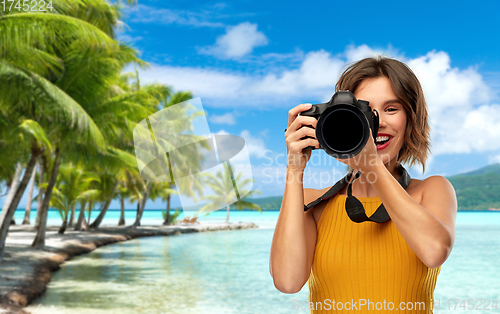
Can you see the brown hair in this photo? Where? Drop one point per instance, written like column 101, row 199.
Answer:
column 407, row 88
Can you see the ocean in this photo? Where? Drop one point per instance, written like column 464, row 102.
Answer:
column 228, row 271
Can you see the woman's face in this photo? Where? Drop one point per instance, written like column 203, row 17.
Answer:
column 392, row 115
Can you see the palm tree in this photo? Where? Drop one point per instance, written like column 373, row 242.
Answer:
column 179, row 122
column 27, row 211
column 107, row 189
column 165, row 193
column 35, row 134
column 72, row 183
column 123, row 193
column 14, row 182
column 60, row 82
column 42, row 181
column 183, row 125
column 141, row 204
column 128, row 189
column 225, row 186
column 86, row 79
column 32, row 53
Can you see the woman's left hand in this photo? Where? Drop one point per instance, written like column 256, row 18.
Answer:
column 366, row 160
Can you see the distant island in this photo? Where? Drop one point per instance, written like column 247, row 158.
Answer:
column 476, row 190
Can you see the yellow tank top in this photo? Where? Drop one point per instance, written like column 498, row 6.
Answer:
column 366, row 261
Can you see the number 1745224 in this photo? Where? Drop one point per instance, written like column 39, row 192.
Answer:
column 26, row 5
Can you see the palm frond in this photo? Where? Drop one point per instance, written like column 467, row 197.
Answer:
column 33, row 129
column 246, row 204
column 49, row 99
column 99, row 13
column 49, row 33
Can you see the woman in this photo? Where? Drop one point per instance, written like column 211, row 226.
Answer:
column 367, row 266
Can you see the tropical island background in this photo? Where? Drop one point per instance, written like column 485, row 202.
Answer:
column 76, row 79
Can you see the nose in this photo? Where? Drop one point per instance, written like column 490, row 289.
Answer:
column 381, row 122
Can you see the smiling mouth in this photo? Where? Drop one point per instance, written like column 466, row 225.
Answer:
column 381, row 140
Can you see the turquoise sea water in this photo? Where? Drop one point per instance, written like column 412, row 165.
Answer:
column 154, row 217
column 228, row 272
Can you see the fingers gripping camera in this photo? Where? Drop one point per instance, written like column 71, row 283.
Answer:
column 344, row 124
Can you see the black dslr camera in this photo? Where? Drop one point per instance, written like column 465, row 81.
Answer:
column 344, row 124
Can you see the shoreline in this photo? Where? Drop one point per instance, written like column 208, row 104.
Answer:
column 26, row 272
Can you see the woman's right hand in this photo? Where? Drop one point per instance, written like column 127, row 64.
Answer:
column 296, row 130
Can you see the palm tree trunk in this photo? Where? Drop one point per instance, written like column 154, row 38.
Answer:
column 121, row 222
column 39, row 242
column 64, row 225
column 140, row 210
column 97, row 222
column 41, row 191
column 27, row 211
column 90, row 212
column 227, row 215
column 72, row 217
column 81, row 224
column 139, row 202
column 6, row 216
column 13, row 187
column 167, row 216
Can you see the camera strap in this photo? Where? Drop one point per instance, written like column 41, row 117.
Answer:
column 354, row 208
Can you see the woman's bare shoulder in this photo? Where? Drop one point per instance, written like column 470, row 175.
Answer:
column 430, row 185
column 311, row 195
column 415, row 189
column 438, row 184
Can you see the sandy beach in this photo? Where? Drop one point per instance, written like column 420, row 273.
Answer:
column 25, row 272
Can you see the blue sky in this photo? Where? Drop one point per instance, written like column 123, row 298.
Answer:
column 251, row 61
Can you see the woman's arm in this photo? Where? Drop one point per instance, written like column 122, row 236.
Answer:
column 294, row 239
column 429, row 227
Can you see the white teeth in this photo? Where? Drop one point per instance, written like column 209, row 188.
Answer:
column 382, row 138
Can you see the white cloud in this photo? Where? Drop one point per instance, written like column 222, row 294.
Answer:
column 145, row 14
column 470, row 130
column 238, row 41
column 494, row 159
column 221, row 132
column 446, row 87
column 205, row 83
column 255, row 145
column 354, row 53
column 314, row 79
column 462, row 116
column 318, row 72
column 227, row 118
column 129, row 39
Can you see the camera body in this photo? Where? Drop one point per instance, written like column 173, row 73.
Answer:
column 344, row 124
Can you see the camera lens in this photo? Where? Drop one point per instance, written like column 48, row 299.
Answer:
column 343, row 130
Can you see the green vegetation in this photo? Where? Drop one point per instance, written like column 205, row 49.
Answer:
column 67, row 115
column 266, row 203
column 479, row 189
